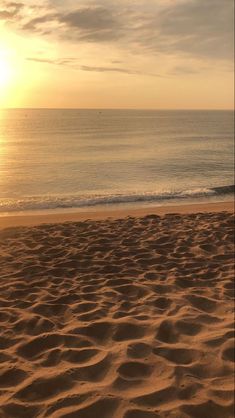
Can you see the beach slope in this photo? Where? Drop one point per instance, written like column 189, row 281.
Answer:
column 118, row 318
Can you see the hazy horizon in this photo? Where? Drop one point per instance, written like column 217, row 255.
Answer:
column 122, row 108
column 99, row 54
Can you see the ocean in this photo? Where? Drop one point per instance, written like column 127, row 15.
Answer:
column 66, row 159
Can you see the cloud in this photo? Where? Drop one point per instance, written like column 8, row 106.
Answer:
column 73, row 64
column 106, row 69
column 93, row 24
column 42, row 60
column 32, row 25
column 186, row 70
column 11, row 10
column 96, row 18
column 201, row 29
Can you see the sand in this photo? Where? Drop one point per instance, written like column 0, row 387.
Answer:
column 118, row 318
column 98, row 214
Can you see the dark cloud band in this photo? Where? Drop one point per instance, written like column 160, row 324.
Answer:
column 197, row 28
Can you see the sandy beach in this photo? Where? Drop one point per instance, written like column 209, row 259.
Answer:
column 127, row 314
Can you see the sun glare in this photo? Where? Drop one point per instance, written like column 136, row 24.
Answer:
column 5, row 71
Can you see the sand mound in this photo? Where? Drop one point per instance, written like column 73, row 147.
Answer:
column 128, row 318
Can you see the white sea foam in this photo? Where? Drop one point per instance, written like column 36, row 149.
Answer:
column 81, row 201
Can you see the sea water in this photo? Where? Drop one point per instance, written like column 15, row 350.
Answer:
column 56, row 159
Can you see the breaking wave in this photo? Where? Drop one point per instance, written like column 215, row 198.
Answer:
column 33, row 203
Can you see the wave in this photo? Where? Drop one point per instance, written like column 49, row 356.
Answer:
column 224, row 189
column 68, row 202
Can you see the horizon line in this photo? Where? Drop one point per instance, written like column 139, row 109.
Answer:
column 116, row 108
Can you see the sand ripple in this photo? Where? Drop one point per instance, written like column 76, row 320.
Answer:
column 126, row 318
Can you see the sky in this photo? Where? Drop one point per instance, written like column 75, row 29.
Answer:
column 153, row 54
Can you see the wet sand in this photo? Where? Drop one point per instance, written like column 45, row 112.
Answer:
column 126, row 317
column 30, row 219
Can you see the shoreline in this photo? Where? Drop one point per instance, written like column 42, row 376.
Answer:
column 7, row 221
